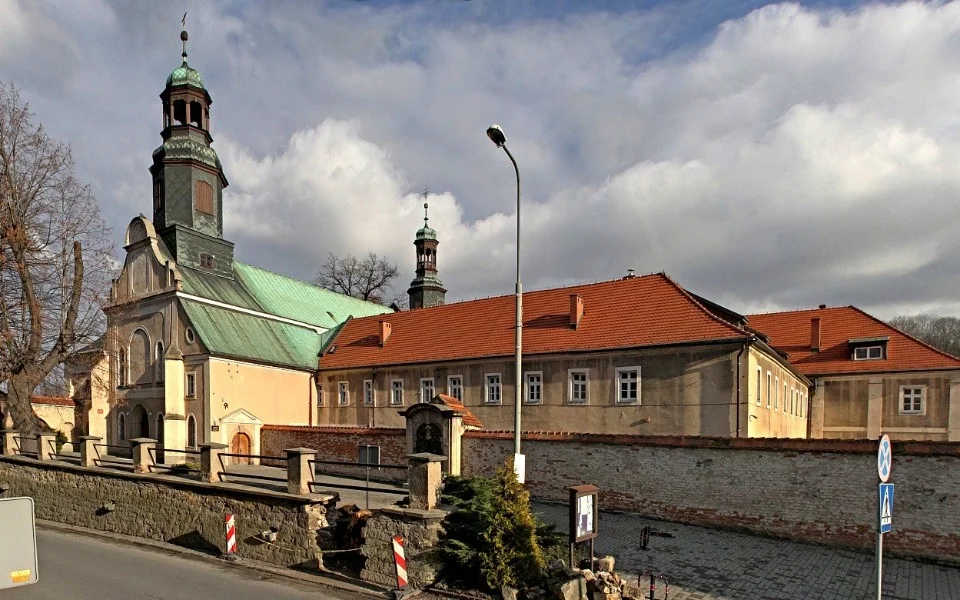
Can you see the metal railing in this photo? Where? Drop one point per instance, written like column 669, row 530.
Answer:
column 18, row 438
column 260, row 457
column 111, row 458
column 364, row 488
column 157, row 456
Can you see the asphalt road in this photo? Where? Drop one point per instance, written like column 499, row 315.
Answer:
column 76, row 567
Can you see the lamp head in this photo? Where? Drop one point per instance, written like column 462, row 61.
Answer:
column 496, row 135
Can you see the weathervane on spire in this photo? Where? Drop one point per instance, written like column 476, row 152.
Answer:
column 183, row 36
column 424, row 194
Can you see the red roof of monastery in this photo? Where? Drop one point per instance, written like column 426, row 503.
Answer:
column 651, row 310
column 469, row 419
column 790, row 332
column 52, row 400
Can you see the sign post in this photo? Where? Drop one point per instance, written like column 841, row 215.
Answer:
column 884, row 504
column 18, row 552
column 583, row 518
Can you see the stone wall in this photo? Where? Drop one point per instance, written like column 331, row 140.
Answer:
column 175, row 510
column 420, row 530
column 823, row 491
column 341, row 444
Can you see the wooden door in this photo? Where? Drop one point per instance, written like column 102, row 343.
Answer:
column 240, row 445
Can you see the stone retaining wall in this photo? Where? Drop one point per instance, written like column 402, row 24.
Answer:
column 178, row 511
column 815, row 490
column 420, row 530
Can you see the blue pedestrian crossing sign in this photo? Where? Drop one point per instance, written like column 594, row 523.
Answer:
column 885, row 508
column 884, row 459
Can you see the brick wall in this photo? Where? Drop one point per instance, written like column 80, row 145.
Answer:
column 341, row 444
column 170, row 509
column 816, row 490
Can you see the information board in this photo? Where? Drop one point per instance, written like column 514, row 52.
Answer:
column 18, row 552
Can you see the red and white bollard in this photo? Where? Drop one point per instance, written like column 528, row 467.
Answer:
column 231, row 534
column 401, row 561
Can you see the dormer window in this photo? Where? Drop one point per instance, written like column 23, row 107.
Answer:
column 869, row 348
column 206, row 260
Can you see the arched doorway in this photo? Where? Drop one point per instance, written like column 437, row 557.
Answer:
column 141, row 423
column 240, row 444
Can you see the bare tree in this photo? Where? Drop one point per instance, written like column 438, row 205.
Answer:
column 367, row 279
column 942, row 333
column 54, row 257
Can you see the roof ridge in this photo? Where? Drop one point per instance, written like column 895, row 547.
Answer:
column 798, row 310
column 689, row 296
column 905, row 334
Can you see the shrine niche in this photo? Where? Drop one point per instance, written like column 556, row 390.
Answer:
column 435, row 427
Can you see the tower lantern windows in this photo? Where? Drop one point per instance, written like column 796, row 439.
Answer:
column 180, row 112
column 196, row 114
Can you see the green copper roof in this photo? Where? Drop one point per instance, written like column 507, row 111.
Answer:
column 214, row 287
column 188, row 148
column 185, row 75
column 301, row 301
column 426, row 233
column 233, row 334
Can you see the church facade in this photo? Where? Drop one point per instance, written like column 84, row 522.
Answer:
column 200, row 347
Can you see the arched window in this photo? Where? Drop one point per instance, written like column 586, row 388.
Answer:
column 203, row 197
column 196, row 114
column 121, row 368
column 180, row 112
column 141, row 359
column 192, row 431
column 159, row 362
column 121, row 427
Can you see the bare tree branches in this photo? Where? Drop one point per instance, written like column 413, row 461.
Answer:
column 367, row 279
column 52, row 238
column 942, row 333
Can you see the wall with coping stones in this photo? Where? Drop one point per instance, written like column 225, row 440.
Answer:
column 421, row 533
column 340, row 443
column 823, row 491
column 179, row 511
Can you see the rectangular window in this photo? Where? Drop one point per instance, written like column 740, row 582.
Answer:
column 776, row 394
column 206, row 260
column 628, row 385
column 785, row 395
column 319, row 396
column 912, row 399
column 759, row 384
column 578, row 392
column 368, row 393
column 369, row 455
column 396, row 392
column 769, row 387
column 344, row 397
column 191, row 385
column 793, row 400
column 492, row 393
column 455, row 387
column 426, row 389
column 533, row 382
column 868, row 353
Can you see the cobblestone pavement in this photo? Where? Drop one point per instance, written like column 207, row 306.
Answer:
column 707, row 564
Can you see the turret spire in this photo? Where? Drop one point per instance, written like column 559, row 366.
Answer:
column 184, row 37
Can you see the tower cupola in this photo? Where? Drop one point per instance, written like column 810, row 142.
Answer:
column 426, row 289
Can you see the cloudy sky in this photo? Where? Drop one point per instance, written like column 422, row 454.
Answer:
column 766, row 156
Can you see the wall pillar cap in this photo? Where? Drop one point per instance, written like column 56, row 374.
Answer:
column 90, row 438
column 426, row 457
column 143, row 440
column 300, row 451
column 212, row 445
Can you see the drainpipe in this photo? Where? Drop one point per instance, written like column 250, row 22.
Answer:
column 743, row 348
column 310, row 384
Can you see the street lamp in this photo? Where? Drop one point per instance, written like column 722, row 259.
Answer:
column 497, row 137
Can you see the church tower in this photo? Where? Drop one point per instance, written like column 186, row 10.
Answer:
column 426, row 289
column 188, row 178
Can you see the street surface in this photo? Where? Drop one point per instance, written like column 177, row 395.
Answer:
column 80, row 567
column 708, row 564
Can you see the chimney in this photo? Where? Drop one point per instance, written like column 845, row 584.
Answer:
column 576, row 310
column 385, row 330
column 815, row 334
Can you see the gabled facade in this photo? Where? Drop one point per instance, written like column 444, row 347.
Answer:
column 200, row 347
column 868, row 377
column 639, row 355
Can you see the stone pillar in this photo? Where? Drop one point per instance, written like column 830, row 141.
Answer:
column 425, row 478
column 953, row 412
column 88, row 450
column 874, row 408
column 818, row 409
column 299, row 470
column 174, row 401
column 9, row 442
column 210, row 465
column 142, row 459
column 46, row 445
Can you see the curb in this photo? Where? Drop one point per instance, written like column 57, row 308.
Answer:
column 237, row 563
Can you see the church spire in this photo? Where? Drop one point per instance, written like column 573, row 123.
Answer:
column 426, row 289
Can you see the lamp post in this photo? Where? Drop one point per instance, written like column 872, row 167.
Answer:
column 497, row 137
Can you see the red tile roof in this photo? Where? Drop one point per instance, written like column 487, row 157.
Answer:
column 52, row 400
column 469, row 419
column 642, row 311
column 789, row 332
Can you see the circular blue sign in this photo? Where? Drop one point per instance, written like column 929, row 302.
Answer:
column 884, row 459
